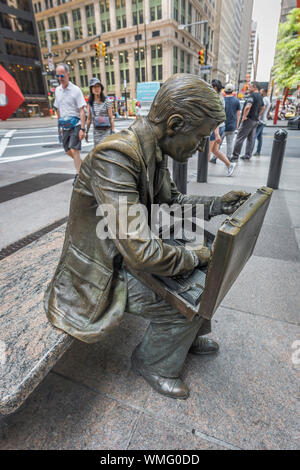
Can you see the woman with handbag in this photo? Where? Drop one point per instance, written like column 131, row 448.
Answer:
column 99, row 112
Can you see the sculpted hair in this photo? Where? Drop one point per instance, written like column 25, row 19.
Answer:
column 189, row 96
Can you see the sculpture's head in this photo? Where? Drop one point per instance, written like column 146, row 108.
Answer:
column 184, row 112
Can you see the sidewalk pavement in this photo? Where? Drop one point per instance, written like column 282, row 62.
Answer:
column 36, row 122
column 279, row 123
column 245, row 397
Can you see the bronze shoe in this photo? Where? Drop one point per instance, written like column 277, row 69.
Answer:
column 170, row 387
column 203, row 346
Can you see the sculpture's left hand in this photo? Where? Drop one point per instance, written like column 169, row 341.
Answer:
column 233, row 200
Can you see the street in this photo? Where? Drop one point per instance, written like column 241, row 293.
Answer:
column 29, row 202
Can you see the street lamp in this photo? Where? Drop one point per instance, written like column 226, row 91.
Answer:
column 48, row 37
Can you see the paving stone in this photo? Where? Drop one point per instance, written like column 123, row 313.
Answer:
column 151, row 433
column 277, row 241
column 268, row 287
column 64, row 415
column 246, row 394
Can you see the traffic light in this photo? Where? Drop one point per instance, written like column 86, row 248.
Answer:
column 103, row 49
column 201, row 57
column 97, row 47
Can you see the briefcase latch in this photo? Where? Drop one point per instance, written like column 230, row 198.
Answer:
column 235, row 222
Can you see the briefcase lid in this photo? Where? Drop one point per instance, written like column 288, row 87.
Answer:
column 233, row 246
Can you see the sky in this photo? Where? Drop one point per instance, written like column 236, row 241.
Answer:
column 266, row 13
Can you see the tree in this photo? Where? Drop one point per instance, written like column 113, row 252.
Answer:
column 287, row 60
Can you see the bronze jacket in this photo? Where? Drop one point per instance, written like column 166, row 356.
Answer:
column 88, row 292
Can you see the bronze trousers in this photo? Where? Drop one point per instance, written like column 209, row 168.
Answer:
column 169, row 335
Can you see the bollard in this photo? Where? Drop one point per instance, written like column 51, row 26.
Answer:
column 203, row 164
column 278, row 150
column 180, row 176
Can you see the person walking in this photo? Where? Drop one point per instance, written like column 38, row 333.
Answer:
column 262, row 122
column 99, row 112
column 70, row 104
column 233, row 114
column 253, row 109
column 216, row 136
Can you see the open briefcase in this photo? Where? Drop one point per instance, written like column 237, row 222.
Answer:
column 203, row 291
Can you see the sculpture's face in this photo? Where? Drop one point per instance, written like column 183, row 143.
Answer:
column 182, row 144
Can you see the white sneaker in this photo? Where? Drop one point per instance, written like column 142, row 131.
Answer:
column 230, row 169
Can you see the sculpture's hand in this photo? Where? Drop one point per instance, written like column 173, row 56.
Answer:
column 233, row 200
column 204, row 255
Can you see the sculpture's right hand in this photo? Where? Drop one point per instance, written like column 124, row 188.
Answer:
column 204, row 255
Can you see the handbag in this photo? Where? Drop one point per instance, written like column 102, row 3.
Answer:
column 68, row 122
column 100, row 121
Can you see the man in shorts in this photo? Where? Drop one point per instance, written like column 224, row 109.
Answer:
column 70, row 105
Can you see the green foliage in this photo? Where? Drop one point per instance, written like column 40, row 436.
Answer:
column 287, row 60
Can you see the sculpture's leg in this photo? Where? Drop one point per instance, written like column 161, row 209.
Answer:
column 169, row 335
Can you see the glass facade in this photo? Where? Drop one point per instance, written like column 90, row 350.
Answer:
column 28, row 77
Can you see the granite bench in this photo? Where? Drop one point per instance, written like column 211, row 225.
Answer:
column 29, row 345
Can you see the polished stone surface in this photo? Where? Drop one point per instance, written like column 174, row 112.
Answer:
column 30, row 346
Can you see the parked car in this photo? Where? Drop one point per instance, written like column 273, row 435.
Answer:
column 294, row 123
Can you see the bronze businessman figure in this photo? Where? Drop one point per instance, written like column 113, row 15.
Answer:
column 91, row 289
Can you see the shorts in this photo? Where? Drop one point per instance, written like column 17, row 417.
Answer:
column 221, row 132
column 70, row 139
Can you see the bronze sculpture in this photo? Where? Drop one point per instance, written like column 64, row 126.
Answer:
column 91, row 289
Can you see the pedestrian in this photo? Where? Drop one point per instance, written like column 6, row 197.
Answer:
column 70, row 105
column 263, row 121
column 253, row 109
column 99, row 112
column 216, row 136
column 233, row 114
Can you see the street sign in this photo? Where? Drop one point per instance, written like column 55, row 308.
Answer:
column 205, row 67
column 54, row 82
column 50, row 63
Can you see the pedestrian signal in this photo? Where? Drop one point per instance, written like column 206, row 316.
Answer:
column 103, row 49
column 201, row 57
column 97, row 47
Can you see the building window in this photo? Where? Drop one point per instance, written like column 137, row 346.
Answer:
column 189, row 16
column 109, row 70
column 90, row 20
column 137, row 12
column 182, row 11
column 105, row 18
column 15, row 24
column 175, row 10
column 22, row 49
column 42, row 33
column 95, row 67
column 138, row 37
column 77, row 23
column 54, row 35
column 188, row 63
column 156, row 62
column 120, row 14
column 155, row 10
column 175, row 59
column 72, row 70
column 122, row 41
column 63, row 18
column 140, row 74
column 83, row 73
column 155, row 33
column 181, row 61
column 28, row 77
